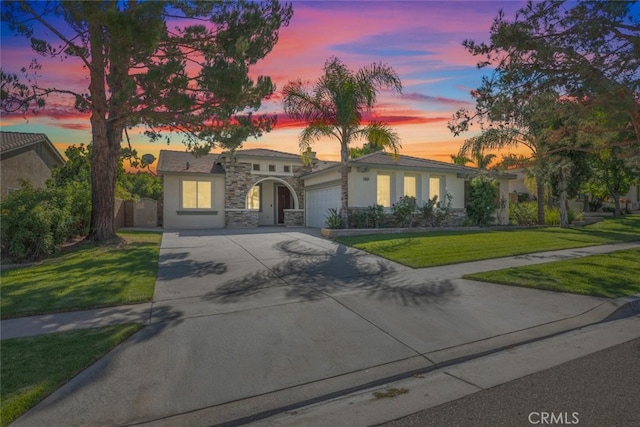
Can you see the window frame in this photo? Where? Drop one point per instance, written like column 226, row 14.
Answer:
column 378, row 198
column 415, row 185
column 198, row 183
column 439, row 178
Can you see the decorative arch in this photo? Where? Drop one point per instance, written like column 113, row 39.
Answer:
column 296, row 204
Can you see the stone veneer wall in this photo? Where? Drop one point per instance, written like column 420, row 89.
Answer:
column 239, row 179
column 294, row 217
column 241, row 218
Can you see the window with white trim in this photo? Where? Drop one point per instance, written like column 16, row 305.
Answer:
column 410, row 185
column 383, row 190
column 196, row 194
column 434, row 187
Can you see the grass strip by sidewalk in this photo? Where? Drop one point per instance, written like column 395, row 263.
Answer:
column 32, row 368
column 430, row 249
column 609, row 275
column 84, row 276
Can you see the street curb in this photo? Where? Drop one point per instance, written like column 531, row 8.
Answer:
column 626, row 307
column 293, row 398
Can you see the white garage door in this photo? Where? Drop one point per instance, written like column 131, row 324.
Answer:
column 318, row 201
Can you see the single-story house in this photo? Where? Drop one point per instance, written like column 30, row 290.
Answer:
column 254, row 187
column 26, row 157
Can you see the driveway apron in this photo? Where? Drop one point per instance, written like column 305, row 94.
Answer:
column 245, row 313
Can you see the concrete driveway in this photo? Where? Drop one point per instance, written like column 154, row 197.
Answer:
column 251, row 321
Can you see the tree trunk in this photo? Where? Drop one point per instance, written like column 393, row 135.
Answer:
column 564, row 215
column 344, row 184
column 616, row 201
column 540, row 196
column 104, row 168
column 106, row 131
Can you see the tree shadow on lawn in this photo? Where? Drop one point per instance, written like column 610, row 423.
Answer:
column 79, row 283
column 312, row 273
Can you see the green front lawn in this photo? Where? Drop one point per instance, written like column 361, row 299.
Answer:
column 85, row 276
column 609, row 275
column 430, row 249
column 29, row 373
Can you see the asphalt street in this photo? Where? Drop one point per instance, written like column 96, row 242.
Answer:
column 601, row 389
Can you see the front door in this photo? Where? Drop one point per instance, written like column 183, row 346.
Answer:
column 284, row 202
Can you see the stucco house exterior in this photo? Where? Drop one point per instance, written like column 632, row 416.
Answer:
column 256, row 187
column 26, row 156
column 379, row 178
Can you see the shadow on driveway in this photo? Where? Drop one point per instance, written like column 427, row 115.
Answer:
column 311, row 273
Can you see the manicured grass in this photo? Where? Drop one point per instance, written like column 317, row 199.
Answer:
column 32, row 368
column 85, row 276
column 419, row 250
column 609, row 275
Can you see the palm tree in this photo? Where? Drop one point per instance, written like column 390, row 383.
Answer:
column 459, row 159
column 483, row 160
column 334, row 108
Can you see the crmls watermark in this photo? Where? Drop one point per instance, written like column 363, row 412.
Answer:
column 554, row 418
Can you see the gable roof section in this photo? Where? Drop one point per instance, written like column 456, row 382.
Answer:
column 386, row 160
column 14, row 141
column 184, row 162
column 380, row 158
column 264, row 152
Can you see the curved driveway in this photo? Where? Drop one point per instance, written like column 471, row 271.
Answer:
column 248, row 321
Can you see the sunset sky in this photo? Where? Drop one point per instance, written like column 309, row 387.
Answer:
column 421, row 40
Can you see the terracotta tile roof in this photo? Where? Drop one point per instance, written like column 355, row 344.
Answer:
column 183, row 162
column 10, row 141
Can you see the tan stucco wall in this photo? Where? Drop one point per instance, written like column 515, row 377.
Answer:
column 176, row 217
column 363, row 182
column 27, row 165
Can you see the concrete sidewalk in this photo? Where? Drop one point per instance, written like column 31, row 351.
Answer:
column 430, row 389
column 141, row 313
column 247, row 323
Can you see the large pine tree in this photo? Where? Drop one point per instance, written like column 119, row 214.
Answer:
column 172, row 67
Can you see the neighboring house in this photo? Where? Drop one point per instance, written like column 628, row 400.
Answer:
column 26, row 157
column 631, row 199
column 257, row 187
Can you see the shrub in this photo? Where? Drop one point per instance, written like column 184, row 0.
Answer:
column 34, row 222
column 575, row 215
column 551, row 216
column 523, row 213
column 30, row 224
column 595, row 204
column 404, row 210
column 437, row 212
column 333, row 219
column 369, row 217
column 358, row 219
column 375, row 215
column 483, row 192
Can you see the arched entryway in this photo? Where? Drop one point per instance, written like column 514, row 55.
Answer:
column 271, row 196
